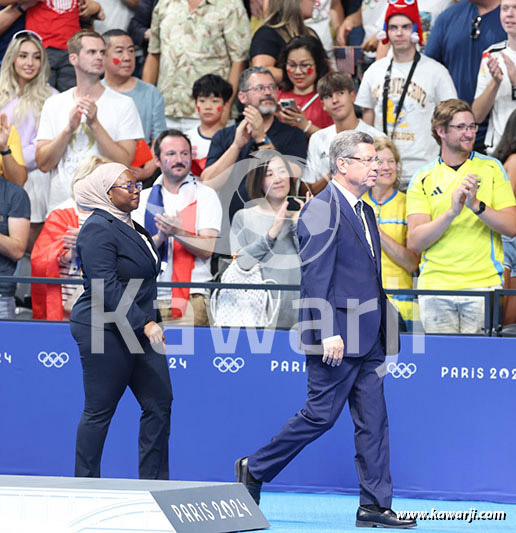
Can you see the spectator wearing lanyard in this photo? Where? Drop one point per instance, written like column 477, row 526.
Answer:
column 304, row 63
column 399, row 95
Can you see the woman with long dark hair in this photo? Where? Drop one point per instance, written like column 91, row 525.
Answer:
column 304, row 62
column 266, row 232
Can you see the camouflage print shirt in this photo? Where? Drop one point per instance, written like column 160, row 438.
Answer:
column 192, row 44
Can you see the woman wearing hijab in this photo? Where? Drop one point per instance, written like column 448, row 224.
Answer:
column 115, row 324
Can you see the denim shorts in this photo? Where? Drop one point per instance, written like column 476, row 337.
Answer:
column 509, row 253
column 7, row 308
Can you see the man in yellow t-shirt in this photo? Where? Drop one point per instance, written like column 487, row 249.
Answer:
column 457, row 207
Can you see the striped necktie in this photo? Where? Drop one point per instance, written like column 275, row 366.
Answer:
column 358, row 211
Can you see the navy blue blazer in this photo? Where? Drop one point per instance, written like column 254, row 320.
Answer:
column 111, row 250
column 339, row 268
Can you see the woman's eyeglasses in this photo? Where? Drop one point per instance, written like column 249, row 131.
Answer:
column 304, row 67
column 27, row 33
column 130, row 187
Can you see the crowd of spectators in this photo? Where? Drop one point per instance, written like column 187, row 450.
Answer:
column 224, row 111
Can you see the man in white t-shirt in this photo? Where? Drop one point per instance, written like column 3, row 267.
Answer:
column 496, row 83
column 428, row 81
column 184, row 217
column 88, row 119
column 337, row 93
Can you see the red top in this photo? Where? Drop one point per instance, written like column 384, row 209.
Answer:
column 314, row 111
column 55, row 20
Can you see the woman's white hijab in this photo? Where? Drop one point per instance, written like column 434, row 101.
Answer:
column 92, row 192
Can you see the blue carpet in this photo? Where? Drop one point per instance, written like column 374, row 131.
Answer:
column 305, row 513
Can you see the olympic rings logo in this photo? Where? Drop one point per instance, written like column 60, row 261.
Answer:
column 228, row 364
column 401, row 370
column 57, row 360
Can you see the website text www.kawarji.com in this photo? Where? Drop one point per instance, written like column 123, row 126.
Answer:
column 466, row 516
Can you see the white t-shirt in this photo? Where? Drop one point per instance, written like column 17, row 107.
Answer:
column 318, row 161
column 373, row 16
column 118, row 16
column 118, row 116
column 430, row 84
column 504, row 105
column 208, row 216
column 200, row 144
column 320, row 23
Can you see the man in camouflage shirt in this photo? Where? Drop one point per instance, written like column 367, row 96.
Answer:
column 188, row 40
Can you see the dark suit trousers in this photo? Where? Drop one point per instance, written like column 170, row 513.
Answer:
column 329, row 387
column 105, row 377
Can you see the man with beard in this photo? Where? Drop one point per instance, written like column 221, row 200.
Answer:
column 457, row 207
column 183, row 217
column 259, row 130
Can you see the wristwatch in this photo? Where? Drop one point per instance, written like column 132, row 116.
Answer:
column 5, row 152
column 264, row 142
column 481, row 208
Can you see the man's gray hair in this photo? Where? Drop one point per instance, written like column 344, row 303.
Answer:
column 243, row 81
column 345, row 145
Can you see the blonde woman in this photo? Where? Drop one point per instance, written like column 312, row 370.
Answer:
column 389, row 204
column 283, row 21
column 54, row 254
column 23, row 91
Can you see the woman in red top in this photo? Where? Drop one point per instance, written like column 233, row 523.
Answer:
column 304, row 62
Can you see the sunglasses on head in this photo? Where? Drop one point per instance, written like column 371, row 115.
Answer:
column 26, row 33
column 475, row 27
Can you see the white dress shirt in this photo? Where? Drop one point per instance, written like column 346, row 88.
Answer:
column 352, row 200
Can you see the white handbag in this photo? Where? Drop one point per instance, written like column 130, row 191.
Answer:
column 244, row 307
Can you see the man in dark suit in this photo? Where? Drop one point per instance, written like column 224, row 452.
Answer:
column 346, row 309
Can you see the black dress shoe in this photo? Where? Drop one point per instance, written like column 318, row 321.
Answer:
column 375, row 516
column 244, row 476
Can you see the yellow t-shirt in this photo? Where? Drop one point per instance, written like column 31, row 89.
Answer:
column 392, row 219
column 469, row 254
column 14, row 143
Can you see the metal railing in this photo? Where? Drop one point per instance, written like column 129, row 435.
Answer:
column 493, row 309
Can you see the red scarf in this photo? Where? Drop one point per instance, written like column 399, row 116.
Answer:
column 183, row 262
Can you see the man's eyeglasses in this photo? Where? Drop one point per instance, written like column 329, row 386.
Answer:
column 368, row 162
column 131, row 186
column 26, row 33
column 475, row 27
column 304, row 67
column 262, row 88
column 463, row 127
